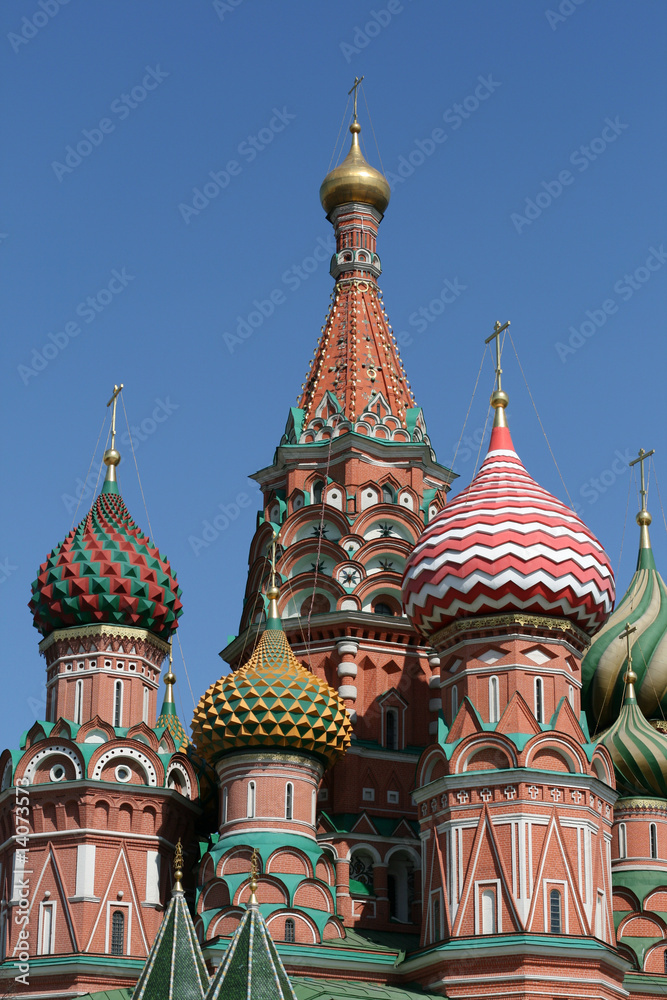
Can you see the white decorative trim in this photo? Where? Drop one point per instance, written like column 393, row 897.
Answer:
column 177, row 766
column 45, row 752
column 136, row 755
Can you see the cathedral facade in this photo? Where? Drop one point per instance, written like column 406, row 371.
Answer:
column 437, row 765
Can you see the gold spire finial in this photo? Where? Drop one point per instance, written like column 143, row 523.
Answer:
column 169, row 680
column 355, row 87
column 499, row 399
column 630, row 676
column 111, row 456
column 254, row 875
column 273, row 590
column 178, row 867
column 643, row 517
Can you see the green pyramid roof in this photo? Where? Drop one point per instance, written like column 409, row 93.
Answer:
column 251, row 968
column 175, row 968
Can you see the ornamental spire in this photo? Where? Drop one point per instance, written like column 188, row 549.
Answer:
column 643, row 517
column 112, row 457
column 499, row 399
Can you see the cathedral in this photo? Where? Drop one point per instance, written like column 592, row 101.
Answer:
column 436, row 767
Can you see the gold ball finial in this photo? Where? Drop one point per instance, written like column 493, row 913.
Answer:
column 355, row 127
column 273, row 592
column 643, row 518
column 499, row 399
column 630, row 676
column 111, row 457
column 170, row 678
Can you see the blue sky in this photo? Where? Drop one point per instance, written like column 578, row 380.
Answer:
column 525, row 143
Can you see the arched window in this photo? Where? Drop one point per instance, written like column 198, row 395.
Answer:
column 289, row 930
column 494, row 700
column 653, row 836
column 382, row 608
column 118, row 706
column 144, row 715
column 225, row 803
column 387, row 494
column 251, row 800
column 622, row 840
column 78, row 702
column 489, row 911
column 437, row 933
column 539, row 699
column 391, row 728
column 118, row 933
column 318, row 489
column 455, row 701
column 555, row 918
column 289, row 800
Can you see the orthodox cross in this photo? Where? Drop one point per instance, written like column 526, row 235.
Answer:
column 641, row 458
column 497, row 330
column 355, row 87
column 117, row 389
column 625, row 634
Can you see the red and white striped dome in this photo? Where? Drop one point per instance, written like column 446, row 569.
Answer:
column 505, row 544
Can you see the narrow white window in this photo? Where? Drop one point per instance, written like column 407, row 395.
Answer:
column 46, row 928
column 78, row 702
column 118, row 704
column 653, row 837
column 455, row 701
column 488, row 912
column 622, row 840
column 494, row 700
column 436, row 932
column 152, row 877
column 289, row 800
column 251, row 800
column 570, row 694
column 225, row 803
column 85, row 871
column 539, row 699
column 599, row 917
column 314, row 806
column 144, row 715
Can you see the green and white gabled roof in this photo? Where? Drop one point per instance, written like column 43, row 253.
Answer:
column 644, row 605
column 639, row 751
column 175, row 968
column 251, row 968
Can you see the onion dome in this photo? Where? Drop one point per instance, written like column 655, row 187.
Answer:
column 644, row 606
column 506, row 545
column 106, row 571
column 354, row 180
column 638, row 751
column 271, row 702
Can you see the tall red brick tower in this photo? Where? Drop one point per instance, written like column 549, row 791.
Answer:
column 353, row 482
column 95, row 798
column 515, row 799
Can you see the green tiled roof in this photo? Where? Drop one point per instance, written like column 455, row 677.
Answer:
column 175, row 968
column 347, row 989
column 251, row 968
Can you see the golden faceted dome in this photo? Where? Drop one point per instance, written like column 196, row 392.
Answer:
column 354, row 180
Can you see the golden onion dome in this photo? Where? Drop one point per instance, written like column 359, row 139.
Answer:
column 272, row 702
column 354, row 180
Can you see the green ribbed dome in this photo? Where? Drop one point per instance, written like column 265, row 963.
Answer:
column 639, row 751
column 644, row 605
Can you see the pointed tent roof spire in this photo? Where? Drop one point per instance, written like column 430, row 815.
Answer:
column 175, row 968
column 168, row 717
column 252, row 968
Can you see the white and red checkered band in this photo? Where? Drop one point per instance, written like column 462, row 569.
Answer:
column 505, row 544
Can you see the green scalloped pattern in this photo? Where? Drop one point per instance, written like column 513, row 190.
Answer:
column 639, row 752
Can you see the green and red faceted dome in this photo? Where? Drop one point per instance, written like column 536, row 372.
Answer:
column 507, row 545
column 106, row 572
